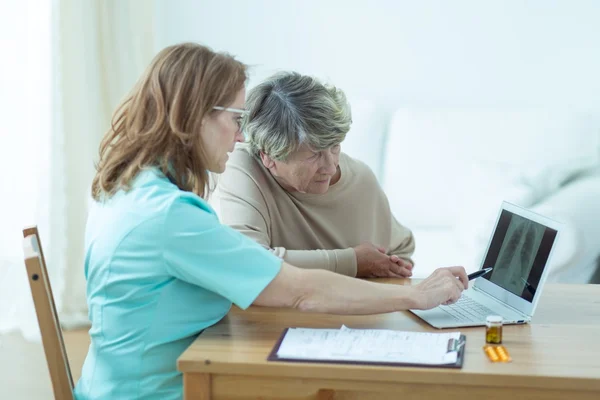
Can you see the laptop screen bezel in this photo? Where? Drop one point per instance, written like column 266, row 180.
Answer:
column 502, row 294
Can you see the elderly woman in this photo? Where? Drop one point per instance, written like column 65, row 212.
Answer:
column 292, row 190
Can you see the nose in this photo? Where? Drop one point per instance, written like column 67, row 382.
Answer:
column 329, row 165
column 239, row 136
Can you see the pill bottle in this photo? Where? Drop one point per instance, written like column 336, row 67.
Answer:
column 493, row 329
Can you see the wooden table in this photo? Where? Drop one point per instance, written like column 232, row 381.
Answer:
column 557, row 356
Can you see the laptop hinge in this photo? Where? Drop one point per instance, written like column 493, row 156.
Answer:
column 526, row 317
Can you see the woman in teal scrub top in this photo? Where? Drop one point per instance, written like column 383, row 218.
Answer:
column 159, row 266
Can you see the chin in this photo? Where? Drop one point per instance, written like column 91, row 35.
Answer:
column 221, row 165
column 318, row 189
column 217, row 169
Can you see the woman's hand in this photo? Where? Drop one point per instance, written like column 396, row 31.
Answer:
column 404, row 267
column 372, row 262
column 444, row 286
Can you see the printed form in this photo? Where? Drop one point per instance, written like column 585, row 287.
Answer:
column 369, row 345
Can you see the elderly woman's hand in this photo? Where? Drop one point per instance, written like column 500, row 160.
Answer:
column 405, row 266
column 372, row 262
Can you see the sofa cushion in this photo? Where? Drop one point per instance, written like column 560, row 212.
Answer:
column 429, row 174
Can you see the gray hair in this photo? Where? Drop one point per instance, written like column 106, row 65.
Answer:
column 290, row 109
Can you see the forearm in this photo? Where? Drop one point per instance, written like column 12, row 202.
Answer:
column 324, row 292
column 342, row 261
column 342, row 295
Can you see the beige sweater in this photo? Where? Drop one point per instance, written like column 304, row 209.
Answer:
column 310, row 230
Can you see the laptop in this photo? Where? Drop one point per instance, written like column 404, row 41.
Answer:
column 519, row 252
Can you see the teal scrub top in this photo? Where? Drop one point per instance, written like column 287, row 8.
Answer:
column 160, row 268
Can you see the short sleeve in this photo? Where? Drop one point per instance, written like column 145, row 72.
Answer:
column 199, row 250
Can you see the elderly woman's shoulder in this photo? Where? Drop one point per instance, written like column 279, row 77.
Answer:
column 241, row 155
column 358, row 167
column 242, row 159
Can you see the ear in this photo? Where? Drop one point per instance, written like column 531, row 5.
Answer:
column 266, row 160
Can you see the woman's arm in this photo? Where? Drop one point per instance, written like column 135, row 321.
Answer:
column 326, row 292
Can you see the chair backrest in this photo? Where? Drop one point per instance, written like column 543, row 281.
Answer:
column 52, row 338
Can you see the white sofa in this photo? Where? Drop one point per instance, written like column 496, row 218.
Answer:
column 446, row 172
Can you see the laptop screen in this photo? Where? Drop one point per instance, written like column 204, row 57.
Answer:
column 519, row 252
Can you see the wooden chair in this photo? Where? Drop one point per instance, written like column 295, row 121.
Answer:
column 52, row 338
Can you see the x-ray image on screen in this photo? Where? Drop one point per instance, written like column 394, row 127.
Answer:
column 517, row 254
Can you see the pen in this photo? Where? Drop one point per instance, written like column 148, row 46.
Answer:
column 479, row 273
column 529, row 287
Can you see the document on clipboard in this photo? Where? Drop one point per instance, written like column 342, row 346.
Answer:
column 370, row 346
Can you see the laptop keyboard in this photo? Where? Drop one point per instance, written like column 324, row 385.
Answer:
column 467, row 310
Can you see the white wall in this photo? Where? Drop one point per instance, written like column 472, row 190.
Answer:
column 410, row 53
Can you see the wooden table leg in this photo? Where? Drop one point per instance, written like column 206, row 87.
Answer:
column 196, row 386
column 326, row 394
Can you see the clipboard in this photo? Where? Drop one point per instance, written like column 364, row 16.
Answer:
column 453, row 345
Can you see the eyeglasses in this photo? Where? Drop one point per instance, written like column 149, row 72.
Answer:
column 233, row 110
column 239, row 111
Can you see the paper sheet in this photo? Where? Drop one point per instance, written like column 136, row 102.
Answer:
column 368, row 345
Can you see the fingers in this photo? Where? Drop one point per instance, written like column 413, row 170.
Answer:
column 461, row 274
column 456, row 290
column 389, row 273
column 459, row 286
column 400, row 270
column 400, row 267
column 454, row 272
column 451, row 287
column 401, row 262
column 453, row 290
column 387, row 269
column 390, row 266
column 442, row 287
column 453, row 297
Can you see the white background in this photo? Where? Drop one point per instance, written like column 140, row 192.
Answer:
column 460, row 53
